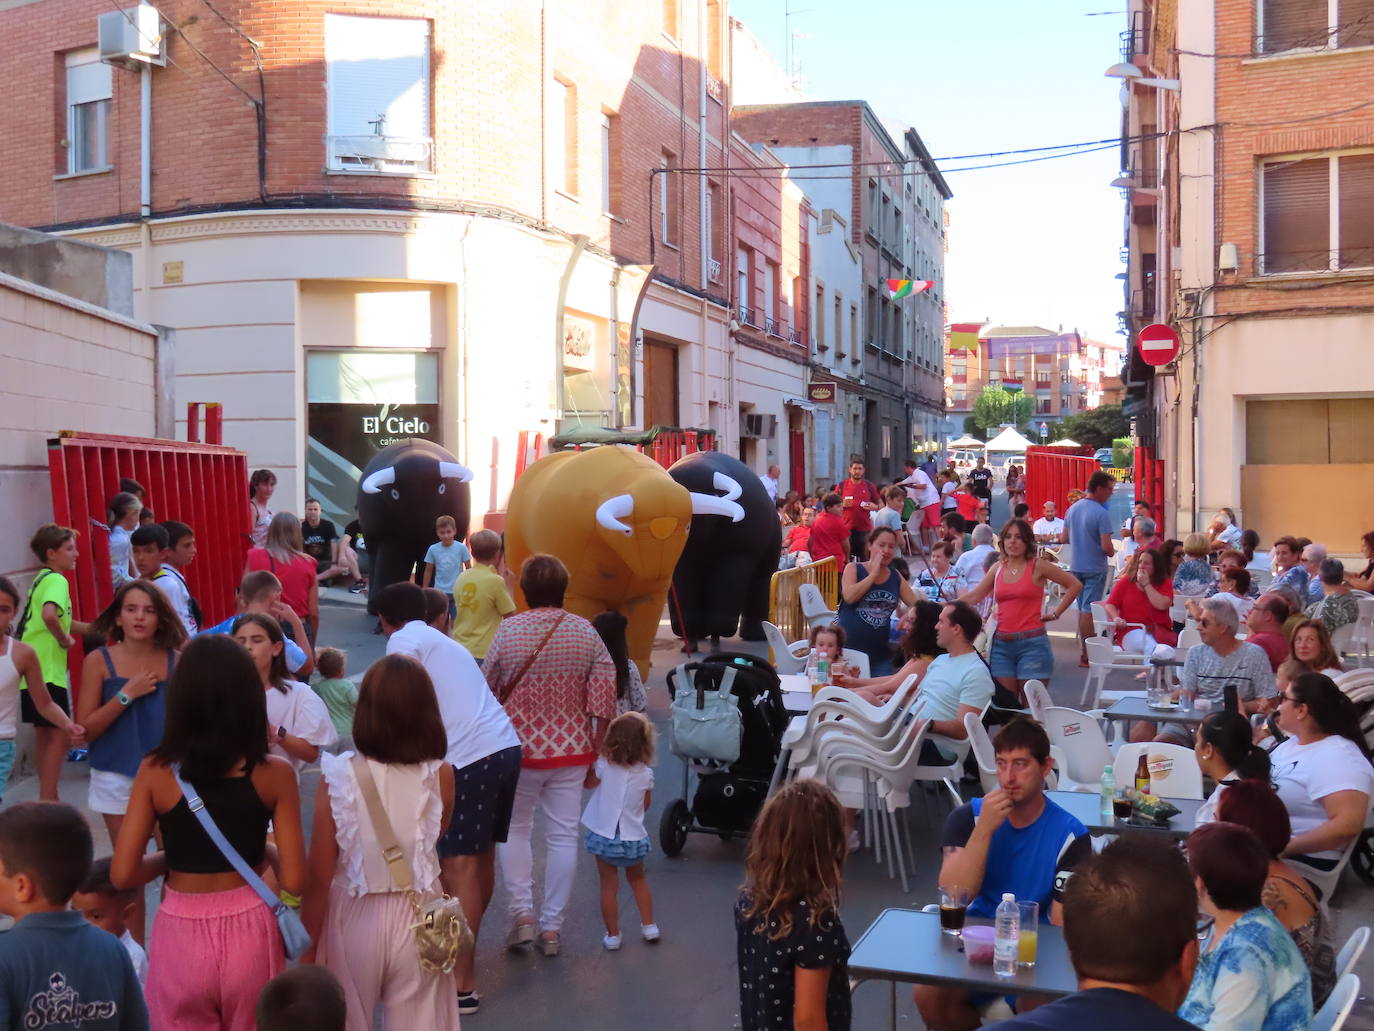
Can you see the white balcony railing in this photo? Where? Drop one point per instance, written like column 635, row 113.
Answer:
column 379, row 155
column 715, row 270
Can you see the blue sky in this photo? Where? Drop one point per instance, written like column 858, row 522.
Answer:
column 1029, row 244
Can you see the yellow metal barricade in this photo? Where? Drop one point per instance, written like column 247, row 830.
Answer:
column 784, row 595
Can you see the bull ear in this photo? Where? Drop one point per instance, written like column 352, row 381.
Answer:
column 610, row 513
column 381, row 478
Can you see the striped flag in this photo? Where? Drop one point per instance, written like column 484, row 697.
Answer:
column 897, row 288
column 963, row 336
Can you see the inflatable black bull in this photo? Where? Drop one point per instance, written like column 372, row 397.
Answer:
column 403, row 490
column 721, row 580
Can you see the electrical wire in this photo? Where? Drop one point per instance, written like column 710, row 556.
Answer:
column 1320, row 39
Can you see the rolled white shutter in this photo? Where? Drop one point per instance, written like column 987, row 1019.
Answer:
column 87, row 79
column 377, row 66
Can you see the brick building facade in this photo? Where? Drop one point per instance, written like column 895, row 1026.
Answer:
column 1250, row 191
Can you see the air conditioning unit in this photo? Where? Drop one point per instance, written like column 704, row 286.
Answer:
column 757, row 426
column 132, row 37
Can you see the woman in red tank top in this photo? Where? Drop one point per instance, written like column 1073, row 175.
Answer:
column 1020, row 648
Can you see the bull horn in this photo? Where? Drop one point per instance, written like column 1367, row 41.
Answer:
column 610, row 513
column 710, row 504
column 454, row 471
column 381, row 478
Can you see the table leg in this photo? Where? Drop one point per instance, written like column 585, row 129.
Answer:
column 892, row 1005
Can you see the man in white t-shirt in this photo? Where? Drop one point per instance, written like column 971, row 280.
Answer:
column 922, row 490
column 955, row 683
column 972, row 563
column 1049, row 528
column 770, row 482
column 483, row 748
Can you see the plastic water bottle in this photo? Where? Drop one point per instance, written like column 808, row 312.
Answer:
column 1007, row 940
column 1108, row 791
column 822, row 671
column 812, row 664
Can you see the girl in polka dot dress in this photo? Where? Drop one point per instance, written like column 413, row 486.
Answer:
column 623, row 779
column 792, row 950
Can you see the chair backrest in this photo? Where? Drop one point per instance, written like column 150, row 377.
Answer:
column 1174, row 772
column 1261, row 579
column 1081, row 739
column 1038, row 698
column 1341, row 637
column 784, row 660
column 1353, row 679
column 981, row 746
column 1351, row 951
column 1336, row 1010
column 857, row 658
column 1099, row 650
column 812, row 601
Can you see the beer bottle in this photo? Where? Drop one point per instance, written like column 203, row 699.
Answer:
column 1142, row 775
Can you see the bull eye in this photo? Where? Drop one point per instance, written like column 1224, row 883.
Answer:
column 443, row 488
column 395, row 494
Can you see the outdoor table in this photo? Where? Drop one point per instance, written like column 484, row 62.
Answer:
column 1087, row 807
column 796, row 693
column 1135, row 707
column 907, row 946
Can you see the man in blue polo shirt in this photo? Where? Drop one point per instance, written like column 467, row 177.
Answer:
column 1013, row 839
column 1088, row 532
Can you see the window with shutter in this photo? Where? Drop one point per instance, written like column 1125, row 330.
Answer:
column 1314, row 24
column 1355, row 177
column 378, row 95
column 89, row 89
column 1297, row 216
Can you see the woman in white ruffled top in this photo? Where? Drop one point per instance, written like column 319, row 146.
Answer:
column 360, row 921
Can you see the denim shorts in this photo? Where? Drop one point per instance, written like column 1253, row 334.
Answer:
column 1026, row 658
column 1094, row 586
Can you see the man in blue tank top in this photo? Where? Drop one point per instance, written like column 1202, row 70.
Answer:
column 1013, row 839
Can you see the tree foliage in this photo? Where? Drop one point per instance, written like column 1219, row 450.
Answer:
column 996, row 406
column 1098, row 427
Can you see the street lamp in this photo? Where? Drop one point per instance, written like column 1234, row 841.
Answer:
column 1134, row 75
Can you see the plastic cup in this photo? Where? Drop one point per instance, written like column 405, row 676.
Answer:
column 1030, row 934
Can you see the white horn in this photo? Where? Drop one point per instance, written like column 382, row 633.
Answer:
column 709, row 504
column 728, row 484
column 610, row 513
column 454, row 471
column 381, row 478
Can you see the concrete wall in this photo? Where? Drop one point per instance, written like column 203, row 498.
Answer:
column 95, row 275
column 64, row 365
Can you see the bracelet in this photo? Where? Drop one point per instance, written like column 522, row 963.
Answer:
column 289, row 900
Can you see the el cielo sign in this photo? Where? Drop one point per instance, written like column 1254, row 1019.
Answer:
column 821, row 393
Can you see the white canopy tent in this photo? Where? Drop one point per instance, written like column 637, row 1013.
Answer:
column 1066, row 442
column 1009, row 440
column 966, row 441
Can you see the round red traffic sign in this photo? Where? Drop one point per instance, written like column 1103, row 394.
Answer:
column 1158, row 344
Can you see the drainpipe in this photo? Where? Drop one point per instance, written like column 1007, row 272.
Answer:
column 705, row 225
column 145, row 188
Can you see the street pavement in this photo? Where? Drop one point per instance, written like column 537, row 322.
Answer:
column 688, row 981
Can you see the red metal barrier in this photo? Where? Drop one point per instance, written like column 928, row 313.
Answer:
column 202, row 485
column 1149, row 483
column 666, row 448
column 1051, row 473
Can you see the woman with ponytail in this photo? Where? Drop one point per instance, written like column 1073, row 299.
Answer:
column 1226, row 752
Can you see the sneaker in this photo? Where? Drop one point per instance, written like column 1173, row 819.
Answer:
column 650, row 932
column 358, row 587
column 468, row 1003
column 611, row 941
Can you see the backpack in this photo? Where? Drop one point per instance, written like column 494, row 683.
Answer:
column 705, row 724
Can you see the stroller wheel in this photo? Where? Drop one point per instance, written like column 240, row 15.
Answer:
column 1362, row 859
column 673, row 827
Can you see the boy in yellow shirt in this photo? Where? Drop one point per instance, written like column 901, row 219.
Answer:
column 481, row 596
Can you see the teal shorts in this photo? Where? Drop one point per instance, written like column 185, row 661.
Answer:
column 6, row 763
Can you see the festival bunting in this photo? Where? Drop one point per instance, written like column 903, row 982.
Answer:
column 898, row 288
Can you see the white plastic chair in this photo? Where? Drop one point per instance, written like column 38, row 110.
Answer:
column 1100, row 618
column 854, row 657
column 1079, row 737
column 1038, row 699
column 1174, row 772
column 813, row 606
column 879, row 725
column 1351, row 951
column 1326, row 881
column 1104, row 657
column 1336, row 1010
column 983, row 752
column 785, row 660
column 1342, row 639
column 1362, row 637
column 1261, row 579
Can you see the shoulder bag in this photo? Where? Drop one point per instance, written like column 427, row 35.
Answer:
column 520, row 673
column 441, row 930
column 295, row 938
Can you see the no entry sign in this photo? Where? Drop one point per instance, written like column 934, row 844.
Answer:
column 1158, row 344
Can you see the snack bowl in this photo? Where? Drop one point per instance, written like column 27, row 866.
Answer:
column 979, row 940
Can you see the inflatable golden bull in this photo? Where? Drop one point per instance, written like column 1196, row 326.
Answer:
column 619, row 522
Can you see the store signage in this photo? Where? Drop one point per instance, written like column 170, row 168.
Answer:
column 821, row 393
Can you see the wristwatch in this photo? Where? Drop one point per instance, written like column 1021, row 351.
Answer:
column 281, row 734
column 123, row 699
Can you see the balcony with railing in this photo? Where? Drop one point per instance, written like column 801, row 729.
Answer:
column 379, row 155
column 713, row 267
column 797, row 336
column 770, row 326
column 1135, row 41
column 748, row 316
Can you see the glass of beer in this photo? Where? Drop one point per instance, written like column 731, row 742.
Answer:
column 1030, row 933
column 953, row 906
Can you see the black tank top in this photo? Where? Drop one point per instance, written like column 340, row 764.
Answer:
column 238, row 812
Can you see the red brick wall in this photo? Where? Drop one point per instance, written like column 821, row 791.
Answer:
column 486, row 101
column 1299, row 91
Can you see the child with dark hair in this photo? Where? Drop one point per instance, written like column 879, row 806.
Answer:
column 56, row 969
column 260, row 591
column 304, row 998
column 623, row 781
column 630, row 695
column 112, row 910
column 299, row 724
column 437, row 605
column 47, row 627
column 181, row 552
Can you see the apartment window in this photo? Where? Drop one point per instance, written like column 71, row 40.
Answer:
column 871, row 317
column 897, row 226
column 670, row 18
column 88, row 112
column 610, row 163
column 713, row 47
column 377, row 79
column 797, row 302
column 854, row 333
column 668, row 199
column 770, row 293
column 872, row 212
column 1314, row 25
column 819, row 318
column 713, row 243
column 1318, row 214
column 563, row 136
column 839, row 327
column 742, row 271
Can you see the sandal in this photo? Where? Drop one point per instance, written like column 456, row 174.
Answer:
column 550, row 942
column 521, row 932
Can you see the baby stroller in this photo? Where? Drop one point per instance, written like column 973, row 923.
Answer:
column 731, row 790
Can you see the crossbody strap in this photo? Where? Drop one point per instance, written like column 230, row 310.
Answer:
column 520, row 675
column 381, row 826
column 207, row 822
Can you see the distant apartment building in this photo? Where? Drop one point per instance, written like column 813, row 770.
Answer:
column 1248, row 170
column 1066, row 373
column 367, row 215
